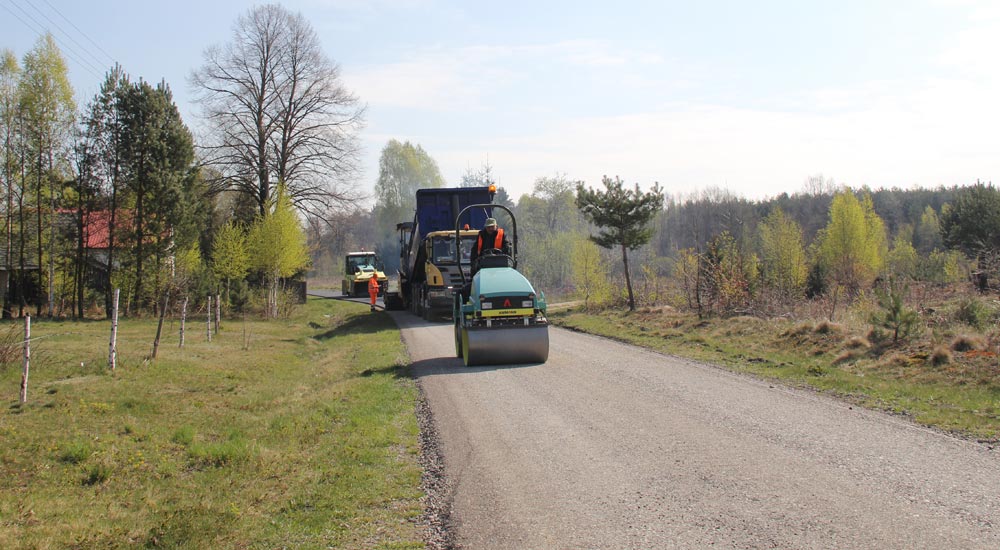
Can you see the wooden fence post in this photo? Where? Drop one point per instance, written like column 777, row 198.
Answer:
column 113, row 345
column 218, row 312
column 159, row 324
column 208, row 322
column 184, row 311
column 27, row 358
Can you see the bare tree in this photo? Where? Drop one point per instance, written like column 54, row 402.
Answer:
column 277, row 113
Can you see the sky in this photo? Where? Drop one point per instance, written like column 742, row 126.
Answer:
column 749, row 97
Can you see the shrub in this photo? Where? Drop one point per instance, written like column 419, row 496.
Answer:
column 972, row 312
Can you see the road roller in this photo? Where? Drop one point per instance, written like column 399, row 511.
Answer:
column 499, row 317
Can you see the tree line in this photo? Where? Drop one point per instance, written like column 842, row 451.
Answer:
column 119, row 193
column 713, row 252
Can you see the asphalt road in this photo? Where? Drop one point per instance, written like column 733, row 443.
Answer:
column 611, row 446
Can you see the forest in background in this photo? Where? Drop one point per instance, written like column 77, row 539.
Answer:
column 713, row 252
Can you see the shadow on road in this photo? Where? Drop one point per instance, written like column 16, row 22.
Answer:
column 453, row 365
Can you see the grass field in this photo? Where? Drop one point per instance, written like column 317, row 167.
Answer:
column 931, row 380
column 305, row 438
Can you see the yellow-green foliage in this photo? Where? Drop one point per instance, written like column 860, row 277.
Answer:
column 853, row 244
column 590, row 273
column 903, row 259
column 230, row 257
column 783, row 255
column 277, row 242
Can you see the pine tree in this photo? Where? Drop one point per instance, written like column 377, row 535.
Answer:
column 624, row 217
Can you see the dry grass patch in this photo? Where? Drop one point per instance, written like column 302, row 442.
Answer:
column 965, row 342
column 940, row 356
column 857, row 343
column 828, row 327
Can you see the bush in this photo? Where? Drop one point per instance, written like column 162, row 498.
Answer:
column 973, row 312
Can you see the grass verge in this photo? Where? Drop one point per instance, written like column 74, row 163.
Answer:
column 307, row 439
column 960, row 395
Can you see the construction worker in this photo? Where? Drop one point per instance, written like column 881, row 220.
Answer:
column 491, row 237
column 373, row 289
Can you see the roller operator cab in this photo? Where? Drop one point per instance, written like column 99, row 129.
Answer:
column 359, row 267
column 499, row 318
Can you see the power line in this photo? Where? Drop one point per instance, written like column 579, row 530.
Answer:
column 56, row 25
column 96, row 45
column 40, row 29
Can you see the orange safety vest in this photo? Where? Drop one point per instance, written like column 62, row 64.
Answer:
column 373, row 285
column 498, row 241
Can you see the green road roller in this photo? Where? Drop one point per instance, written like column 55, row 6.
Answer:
column 499, row 318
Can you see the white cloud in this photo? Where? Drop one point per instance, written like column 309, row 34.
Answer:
column 932, row 131
column 439, row 79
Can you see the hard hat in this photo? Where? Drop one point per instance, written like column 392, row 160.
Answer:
column 490, row 222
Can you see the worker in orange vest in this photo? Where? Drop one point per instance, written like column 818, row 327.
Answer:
column 373, row 289
column 491, row 237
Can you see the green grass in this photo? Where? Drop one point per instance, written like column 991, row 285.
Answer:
column 305, row 440
column 963, row 397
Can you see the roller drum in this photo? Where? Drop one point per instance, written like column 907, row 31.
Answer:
column 505, row 346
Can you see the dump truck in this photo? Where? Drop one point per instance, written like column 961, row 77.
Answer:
column 359, row 267
column 499, row 318
column 430, row 265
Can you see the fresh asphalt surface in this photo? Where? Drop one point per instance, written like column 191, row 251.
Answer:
column 610, row 446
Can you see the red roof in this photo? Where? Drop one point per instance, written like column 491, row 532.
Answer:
column 96, row 224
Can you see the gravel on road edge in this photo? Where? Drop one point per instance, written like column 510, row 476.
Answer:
column 438, row 493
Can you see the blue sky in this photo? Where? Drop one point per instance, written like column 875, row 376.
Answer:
column 753, row 97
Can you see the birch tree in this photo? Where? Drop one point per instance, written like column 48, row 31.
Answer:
column 230, row 258
column 852, row 247
column 783, row 255
column 49, row 111
column 278, row 248
column 9, row 131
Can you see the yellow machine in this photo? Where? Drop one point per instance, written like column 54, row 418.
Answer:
column 434, row 295
column 359, row 267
